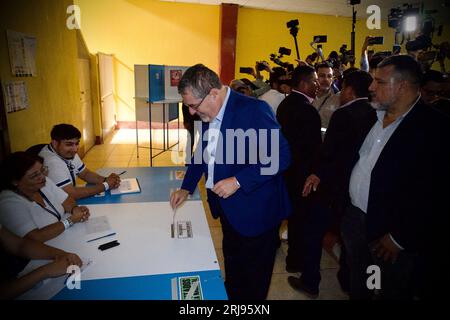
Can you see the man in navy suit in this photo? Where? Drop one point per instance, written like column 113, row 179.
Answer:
column 242, row 155
column 396, row 189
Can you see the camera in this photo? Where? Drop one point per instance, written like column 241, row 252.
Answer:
column 375, row 40
column 319, row 39
column 293, row 27
column 284, row 51
column 246, row 70
column 292, row 24
column 260, row 66
column 276, row 59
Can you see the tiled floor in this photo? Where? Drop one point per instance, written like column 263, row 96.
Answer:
column 120, row 151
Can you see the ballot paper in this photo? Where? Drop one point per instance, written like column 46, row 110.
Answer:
column 130, row 185
column 98, row 228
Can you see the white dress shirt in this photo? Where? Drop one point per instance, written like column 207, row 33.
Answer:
column 369, row 153
column 213, row 137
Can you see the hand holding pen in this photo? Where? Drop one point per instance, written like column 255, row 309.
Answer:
column 113, row 180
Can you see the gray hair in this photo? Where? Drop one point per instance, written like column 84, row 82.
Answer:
column 405, row 67
column 200, row 79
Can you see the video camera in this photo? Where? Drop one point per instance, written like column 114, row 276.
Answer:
column 375, row 40
column 293, row 27
column 276, row 58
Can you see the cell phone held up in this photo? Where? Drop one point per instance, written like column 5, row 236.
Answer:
column 375, row 40
column 246, row 70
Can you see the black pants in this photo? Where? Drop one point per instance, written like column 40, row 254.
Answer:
column 317, row 221
column 296, row 221
column 396, row 278
column 249, row 262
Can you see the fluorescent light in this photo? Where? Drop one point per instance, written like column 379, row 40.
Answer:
column 410, row 24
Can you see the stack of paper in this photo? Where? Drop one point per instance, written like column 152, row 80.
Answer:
column 130, row 185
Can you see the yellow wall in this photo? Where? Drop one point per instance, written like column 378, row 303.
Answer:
column 149, row 32
column 262, row 32
column 54, row 94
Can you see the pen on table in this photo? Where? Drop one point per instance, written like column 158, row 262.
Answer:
column 122, row 173
column 108, row 235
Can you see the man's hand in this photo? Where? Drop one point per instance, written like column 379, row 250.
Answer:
column 226, row 187
column 365, row 44
column 178, row 197
column 386, row 248
column 113, row 181
column 266, row 66
column 311, row 183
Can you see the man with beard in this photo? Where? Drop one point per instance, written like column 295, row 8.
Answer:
column 64, row 164
column 396, row 188
column 326, row 101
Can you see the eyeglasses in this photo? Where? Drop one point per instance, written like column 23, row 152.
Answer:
column 43, row 171
column 196, row 106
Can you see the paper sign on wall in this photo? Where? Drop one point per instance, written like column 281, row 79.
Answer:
column 22, row 54
column 16, row 97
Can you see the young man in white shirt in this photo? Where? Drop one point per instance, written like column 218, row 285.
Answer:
column 64, row 164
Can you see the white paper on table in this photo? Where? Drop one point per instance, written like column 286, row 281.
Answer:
column 129, row 185
column 144, row 235
column 97, row 227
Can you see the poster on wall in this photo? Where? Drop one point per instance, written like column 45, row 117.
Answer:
column 16, row 97
column 22, row 54
column 175, row 77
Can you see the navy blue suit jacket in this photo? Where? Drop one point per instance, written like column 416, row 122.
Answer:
column 262, row 201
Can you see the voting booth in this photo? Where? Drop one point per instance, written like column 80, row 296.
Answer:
column 157, row 101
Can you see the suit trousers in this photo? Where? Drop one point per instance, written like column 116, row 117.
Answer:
column 248, row 262
column 397, row 278
column 296, row 221
column 317, row 221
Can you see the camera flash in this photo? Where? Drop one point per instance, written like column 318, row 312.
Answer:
column 410, row 24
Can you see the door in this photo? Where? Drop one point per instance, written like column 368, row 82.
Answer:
column 86, row 103
column 108, row 105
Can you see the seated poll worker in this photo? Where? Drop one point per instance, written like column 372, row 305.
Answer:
column 31, row 205
column 244, row 181
column 64, row 164
column 13, row 246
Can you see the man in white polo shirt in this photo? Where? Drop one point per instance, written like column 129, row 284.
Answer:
column 64, row 164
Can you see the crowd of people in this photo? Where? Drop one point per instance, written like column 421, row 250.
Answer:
column 361, row 152
column 368, row 161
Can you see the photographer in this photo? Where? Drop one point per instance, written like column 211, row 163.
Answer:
column 239, row 86
column 258, row 87
column 274, row 96
column 432, row 91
